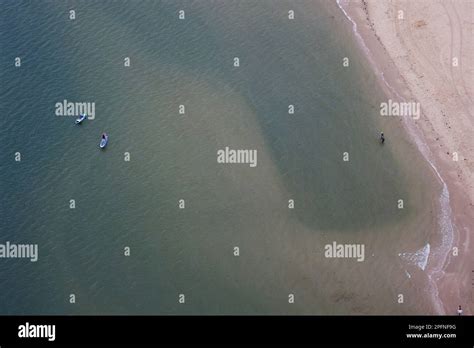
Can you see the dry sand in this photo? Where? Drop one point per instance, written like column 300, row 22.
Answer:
column 414, row 51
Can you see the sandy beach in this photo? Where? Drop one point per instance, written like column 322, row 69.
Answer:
column 423, row 52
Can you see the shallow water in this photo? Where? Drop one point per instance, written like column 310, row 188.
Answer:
column 173, row 157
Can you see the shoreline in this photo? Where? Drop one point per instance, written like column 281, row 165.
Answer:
column 378, row 33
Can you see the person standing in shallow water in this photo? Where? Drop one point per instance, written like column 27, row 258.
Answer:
column 382, row 138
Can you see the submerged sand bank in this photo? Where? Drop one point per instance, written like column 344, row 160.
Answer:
column 423, row 51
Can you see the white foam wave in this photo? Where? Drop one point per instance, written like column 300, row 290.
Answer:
column 419, row 257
